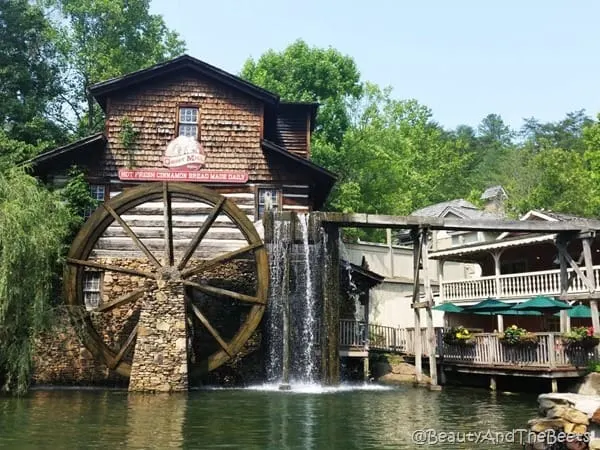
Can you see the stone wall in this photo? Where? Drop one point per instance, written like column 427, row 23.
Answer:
column 62, row 359
column 160, row 361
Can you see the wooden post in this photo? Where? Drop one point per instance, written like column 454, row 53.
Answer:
column 416, row 285
column 493, row 383
column 431, row 341
column 589, row 271
column 390, row 251
column 497, row 272
column 564, row 283
column 500, row 319
column 551, row 351
column 330, row 325
column 440, row 268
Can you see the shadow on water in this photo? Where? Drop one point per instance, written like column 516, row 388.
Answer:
column 255, row 418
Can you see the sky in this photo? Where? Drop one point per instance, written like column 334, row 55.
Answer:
column 463, row 59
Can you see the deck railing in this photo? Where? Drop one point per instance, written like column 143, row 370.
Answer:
column 545, row 282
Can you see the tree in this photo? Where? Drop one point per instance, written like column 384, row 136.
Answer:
column 102, row 39
column 566, row 134
column 29, row 78
column 33, row 225
column 393, row 159
column 311, row 74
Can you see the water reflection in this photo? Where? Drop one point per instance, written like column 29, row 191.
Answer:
column 155, row 421
column 253, row 419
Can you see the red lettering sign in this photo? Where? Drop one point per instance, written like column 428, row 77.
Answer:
column 193, row 176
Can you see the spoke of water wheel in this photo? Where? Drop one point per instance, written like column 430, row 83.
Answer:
column 132, row 235
column 168, row 226
column 224, row 293
column 117, row 359
column 132, row 296
column 219, row 260
column 201, row 233
column 202, row 318
column 109, row 268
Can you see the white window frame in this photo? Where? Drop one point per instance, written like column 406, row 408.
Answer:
column 261, row 202
column 98, row 193
column 92, row 288
column 185, row 123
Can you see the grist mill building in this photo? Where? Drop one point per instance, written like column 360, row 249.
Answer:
column 182, row 122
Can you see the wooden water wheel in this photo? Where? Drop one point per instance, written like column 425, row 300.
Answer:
column 166, row 262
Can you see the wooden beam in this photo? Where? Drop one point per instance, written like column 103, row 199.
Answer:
column 564, row 282
column 562, row 248
column 425, row 304
column 431, row 340
column 589, row 268
column 417, row 248
column 435, row 223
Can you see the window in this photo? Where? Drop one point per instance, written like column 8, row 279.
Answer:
column 92, row 281
column 97, row 191
column 268, row 199
column 188, row 122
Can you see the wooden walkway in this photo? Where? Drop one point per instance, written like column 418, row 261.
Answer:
column 550, row 358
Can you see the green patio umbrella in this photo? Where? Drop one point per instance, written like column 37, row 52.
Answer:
column 541, row 304
column 578, row 312
column 448, row 307
column 489, row 306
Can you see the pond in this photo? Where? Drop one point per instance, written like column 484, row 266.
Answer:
column 372, row 417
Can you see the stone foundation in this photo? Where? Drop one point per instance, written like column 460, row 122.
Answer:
column 160, row 361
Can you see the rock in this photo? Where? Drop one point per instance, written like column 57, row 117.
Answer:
column 569, row 414
column 587, row 404
column 180, row 343
column 590, row 385
column 539, row 425
column 596, row 417
column 162, row 326
column 594, row 444
column 579, row 429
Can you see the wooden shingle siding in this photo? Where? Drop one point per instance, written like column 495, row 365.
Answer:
column 230, row 125
column 292, row 132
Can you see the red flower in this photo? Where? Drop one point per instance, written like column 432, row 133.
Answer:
column 590, row 331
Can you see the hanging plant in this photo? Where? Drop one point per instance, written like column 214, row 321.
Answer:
column 128, row 137
column 518, row 337
column 581, row 337
column 458, row 336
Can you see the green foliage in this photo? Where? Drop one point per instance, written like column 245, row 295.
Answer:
column 458, row 336
column 77, row 196
column 594, row 366
column 310, row 74
column 128, row 137
column 103, row 39
column 33, row 225
column 515, row 336
column 583, row 337
column 29, row 76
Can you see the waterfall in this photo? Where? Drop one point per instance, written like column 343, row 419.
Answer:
column 305, row 363
column 277, row 261
column 300, row 285
column 353, row 291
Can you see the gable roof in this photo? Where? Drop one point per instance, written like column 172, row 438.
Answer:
column 88, row 141
column 550, row 216
column 326, row 177
column 102, row 90
column 458, row 207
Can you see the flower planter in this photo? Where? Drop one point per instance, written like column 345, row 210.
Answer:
column 587, row 342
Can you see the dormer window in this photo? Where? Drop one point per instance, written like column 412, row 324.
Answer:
column 187, row 124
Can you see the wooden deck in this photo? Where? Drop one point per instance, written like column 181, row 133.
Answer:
column 549, row 359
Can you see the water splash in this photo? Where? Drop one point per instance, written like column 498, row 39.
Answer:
column 314, row 388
